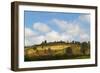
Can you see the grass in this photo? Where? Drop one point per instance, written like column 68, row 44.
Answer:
column 56, row 52
column 56, row 57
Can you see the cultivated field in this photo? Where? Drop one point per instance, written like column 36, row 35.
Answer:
column 55, row 51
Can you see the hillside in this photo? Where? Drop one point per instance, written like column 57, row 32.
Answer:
column 53, row 49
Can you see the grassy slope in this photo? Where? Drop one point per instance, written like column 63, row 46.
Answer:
column 42, row 53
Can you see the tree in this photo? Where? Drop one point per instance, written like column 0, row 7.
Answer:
column 50, row 51
column 84, row 47
column 45, row 42
column 68, row 51
column 76, row 42
column 34, row 47
column 73, row 42
column 89, row 44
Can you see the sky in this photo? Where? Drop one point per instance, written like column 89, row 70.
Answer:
column 55, row 26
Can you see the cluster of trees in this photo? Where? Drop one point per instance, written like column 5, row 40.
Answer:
column 68, row 42
column 84, row 46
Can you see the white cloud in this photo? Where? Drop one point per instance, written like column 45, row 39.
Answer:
column 34, row 40
column 74, row 30
column 66, row 37
column 29, row 32
column 84, row 18
column 41, row 27
column 60, row 23
column 50, row 37
column 28, row 42
column 71, row 28
column 55, row 36
column 28, row 35
column 84, row 37
column 38, row 40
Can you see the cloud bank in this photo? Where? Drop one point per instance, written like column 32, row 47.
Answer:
column 68, row 31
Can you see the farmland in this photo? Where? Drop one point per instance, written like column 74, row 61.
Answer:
column 57, row 51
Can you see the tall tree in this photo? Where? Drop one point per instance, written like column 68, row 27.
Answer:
column 84, row 47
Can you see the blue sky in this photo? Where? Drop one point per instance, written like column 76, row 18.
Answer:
column 55, row 26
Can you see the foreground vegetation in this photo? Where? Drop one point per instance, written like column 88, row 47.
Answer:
column 57, row 51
